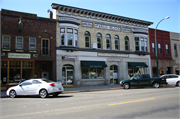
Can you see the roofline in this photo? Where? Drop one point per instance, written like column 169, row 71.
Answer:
column 57, row 6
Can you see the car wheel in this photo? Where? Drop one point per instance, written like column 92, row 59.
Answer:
column 43, row 93
column 55, row 94
column 178, row 83
column 156, row 85
column 126, row 86
column 12, row 93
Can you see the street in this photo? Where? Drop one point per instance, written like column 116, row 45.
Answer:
column 134, row 103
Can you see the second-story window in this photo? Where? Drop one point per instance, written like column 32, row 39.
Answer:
column 108, row 42
column 167, row 49
column 87, row 39
column 45, row 47
column 175, row 49
column 153, row 48
column 68, row 37
column 32, row 43
column 116, row 40
column 126, row 43
column 99, row 41
column 6, row 42
column 19, row 42
column 137, row 43
column 159, row 48
column 62, row 35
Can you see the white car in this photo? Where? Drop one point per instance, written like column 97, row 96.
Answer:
column 41, row 87
column 172, row 79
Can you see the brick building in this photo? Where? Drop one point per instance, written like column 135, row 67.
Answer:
column 28, row 47
column 163, row 52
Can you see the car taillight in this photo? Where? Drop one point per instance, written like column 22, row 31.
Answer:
column 52, row 84
column 165, row 79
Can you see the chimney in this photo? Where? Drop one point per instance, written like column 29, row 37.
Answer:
column 50, row 13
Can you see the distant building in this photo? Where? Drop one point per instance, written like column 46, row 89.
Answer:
column 163, row 52
column 95, row 48
column 175, row 48
column 28, row 47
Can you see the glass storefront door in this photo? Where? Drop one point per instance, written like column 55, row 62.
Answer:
column 113, row 74
column 69, row 77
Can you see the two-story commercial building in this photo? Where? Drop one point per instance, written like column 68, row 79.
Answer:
column 96, row 48
column 165, row 63
column 27, row 47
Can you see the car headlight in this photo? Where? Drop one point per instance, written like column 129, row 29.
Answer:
column 120, row 82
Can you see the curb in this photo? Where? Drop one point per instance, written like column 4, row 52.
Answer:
column 90, row 90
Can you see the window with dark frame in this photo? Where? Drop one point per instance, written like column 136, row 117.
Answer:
column 159, row 48
column 167, row 49
column 45, row 47
column 87, row 39
column 108, row 42
column 153, row 48
column 116, row 40
column 175, row 49
column 6, row 42
column 99, row 41
column 126, row 43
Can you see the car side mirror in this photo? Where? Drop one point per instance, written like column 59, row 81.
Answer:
column 20, row 85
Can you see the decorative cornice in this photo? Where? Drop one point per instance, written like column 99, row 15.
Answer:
column 98, row 15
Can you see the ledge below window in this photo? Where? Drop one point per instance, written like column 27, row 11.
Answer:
column 19, row 50
column 4, row 49
column 32, row 50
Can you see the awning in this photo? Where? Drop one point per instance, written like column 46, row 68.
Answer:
column 137, row 64
column 93, row 64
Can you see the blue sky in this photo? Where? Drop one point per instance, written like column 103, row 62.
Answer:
column 148, row 10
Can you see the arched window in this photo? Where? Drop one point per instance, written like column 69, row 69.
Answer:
column 126, row 43
column 87, row 39
column 108, row 42
column 99, row 40
column 116, row 42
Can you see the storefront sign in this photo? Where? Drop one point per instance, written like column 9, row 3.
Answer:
column 127, row 30
column 87, row 24
column 19, row 55
column 100, row 26
column 68, row 19
column 112, row 55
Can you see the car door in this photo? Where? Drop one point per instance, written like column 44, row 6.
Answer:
column 135, row 81
column 172, row 79
column 145, row 80
column 34, row 87
column 23, row 88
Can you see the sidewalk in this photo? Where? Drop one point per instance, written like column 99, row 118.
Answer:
column 84, row 89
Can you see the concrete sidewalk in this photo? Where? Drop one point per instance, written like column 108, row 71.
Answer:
column 84, row 89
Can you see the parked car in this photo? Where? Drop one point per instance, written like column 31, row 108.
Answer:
column 142, row 80
column 172, row 79
column 41, row 87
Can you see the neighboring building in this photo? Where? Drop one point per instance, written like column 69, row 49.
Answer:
column 165, row 62
column 27, row 47
column 95, row 48
column 175, row 48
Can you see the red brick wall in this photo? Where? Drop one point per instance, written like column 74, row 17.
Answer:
column 33, row 26
column 163, row 37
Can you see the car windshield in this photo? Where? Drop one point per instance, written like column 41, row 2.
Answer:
column 47, row 81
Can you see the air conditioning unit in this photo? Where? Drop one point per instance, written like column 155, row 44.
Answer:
column 94, row 45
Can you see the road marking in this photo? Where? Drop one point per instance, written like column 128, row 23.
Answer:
column 131, row 101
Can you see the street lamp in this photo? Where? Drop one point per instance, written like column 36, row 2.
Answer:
column 156, row 44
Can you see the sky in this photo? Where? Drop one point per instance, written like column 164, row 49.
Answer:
column 148, row 10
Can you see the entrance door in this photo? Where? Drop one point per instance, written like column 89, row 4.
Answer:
column 69, row 77
column 113, row 74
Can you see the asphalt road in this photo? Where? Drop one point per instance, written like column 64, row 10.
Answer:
column 136, row 103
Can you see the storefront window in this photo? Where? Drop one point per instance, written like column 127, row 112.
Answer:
column 134, row 71
column 17, row 70
column 92, row 73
